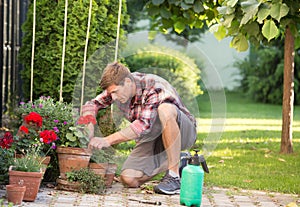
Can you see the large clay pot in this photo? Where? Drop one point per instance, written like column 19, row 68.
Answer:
column 31, row 180
column 15, row 193
column 72, row 158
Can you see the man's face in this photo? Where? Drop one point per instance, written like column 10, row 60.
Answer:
column 121, row 93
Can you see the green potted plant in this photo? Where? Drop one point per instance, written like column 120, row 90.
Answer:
column 83, row 180
column 44, row 117
column 27, row 169
column 103, row 163
column 73, row 153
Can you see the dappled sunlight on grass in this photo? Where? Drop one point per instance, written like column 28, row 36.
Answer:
column 234, row 124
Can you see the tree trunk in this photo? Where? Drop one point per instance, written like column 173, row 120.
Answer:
column 288, row 94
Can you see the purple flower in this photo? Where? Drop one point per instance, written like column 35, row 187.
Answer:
column 56, row 121
column 53, row 145
column 22, row 103
column 56, row 129
column 65, row 122
column 40, row 106
column 33, row 106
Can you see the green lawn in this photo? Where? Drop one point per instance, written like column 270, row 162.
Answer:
column 244, row 153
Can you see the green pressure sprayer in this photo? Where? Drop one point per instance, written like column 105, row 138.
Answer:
column 192, row 177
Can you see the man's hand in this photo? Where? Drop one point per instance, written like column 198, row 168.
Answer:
column 98, row 143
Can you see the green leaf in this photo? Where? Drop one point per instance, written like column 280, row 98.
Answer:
column 165, row 13
column 250, row 9
column 189, row 1
column 262, row 14
column 270, row 30
column 198, row 7
column 252, row 29
column 225, row 10
column 228, row 19
column 185, row 6
column 157, row 2
column 219, row 31
column 70, row 137
column 179, row 27
column 240, row 43
column 279, row 10
column 232, row 3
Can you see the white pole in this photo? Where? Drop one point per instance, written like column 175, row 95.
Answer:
column 63, row 52
column 32, row 49
column 85, row 54
column 118, row 29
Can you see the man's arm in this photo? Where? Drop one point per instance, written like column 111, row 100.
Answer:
column 115, row 138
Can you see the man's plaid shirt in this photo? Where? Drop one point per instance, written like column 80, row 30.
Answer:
column 141, row 111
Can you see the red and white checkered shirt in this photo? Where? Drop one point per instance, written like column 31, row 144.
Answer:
column 141, row 111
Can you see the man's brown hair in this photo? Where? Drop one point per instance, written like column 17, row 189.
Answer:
column 114, row 73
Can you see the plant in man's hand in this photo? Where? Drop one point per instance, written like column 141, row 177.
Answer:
column 79, row 134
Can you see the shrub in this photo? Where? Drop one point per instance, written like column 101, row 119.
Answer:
column 262, row 75
column 49, row 43
column 89, row 181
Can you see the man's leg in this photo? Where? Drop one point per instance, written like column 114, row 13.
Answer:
column 170, row 135
column 171, row 138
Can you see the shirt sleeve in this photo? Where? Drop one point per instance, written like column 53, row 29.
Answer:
column 147, row 114
column 103, row 100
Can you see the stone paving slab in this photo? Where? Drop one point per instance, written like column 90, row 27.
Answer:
column 119, row 196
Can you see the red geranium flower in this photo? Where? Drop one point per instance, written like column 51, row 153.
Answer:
column 87, row 119
column 6, row 140
column 35, row 118
column 48, row 136
column 24, row 129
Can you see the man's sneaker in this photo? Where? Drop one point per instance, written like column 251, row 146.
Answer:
column 168, row 185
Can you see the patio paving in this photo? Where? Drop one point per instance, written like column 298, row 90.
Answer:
column 132, row 197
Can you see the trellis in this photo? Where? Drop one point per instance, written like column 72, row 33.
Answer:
column 64, row 46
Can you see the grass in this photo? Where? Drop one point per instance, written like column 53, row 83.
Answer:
column 245, row 152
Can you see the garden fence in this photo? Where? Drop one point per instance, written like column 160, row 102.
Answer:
column 12, row 15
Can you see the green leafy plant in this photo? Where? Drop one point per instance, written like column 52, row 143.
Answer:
column 77, row 137
column 89, row 181
column 79, row 134
column 10, row 204
column 6, row 161
column 31, row 162
column 56, row 115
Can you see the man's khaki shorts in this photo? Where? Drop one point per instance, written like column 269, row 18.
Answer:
column 149, row 154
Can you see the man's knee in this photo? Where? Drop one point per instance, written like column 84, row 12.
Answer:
column 167, row 111
column 130, row 178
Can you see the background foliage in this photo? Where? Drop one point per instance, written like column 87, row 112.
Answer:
column 181, row 71
column 49, row 42
column 262, row 74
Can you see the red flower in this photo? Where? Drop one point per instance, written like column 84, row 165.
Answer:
column 35, row 118
column 6, row 140
column 48, row 136
column 24, row 129
column 87, row 119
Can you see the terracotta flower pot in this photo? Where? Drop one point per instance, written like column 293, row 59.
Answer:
column 72, row 158
column 68, row 186
column 15, row 193
column 110, row 174
column 32, row 181
column 99, row 168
